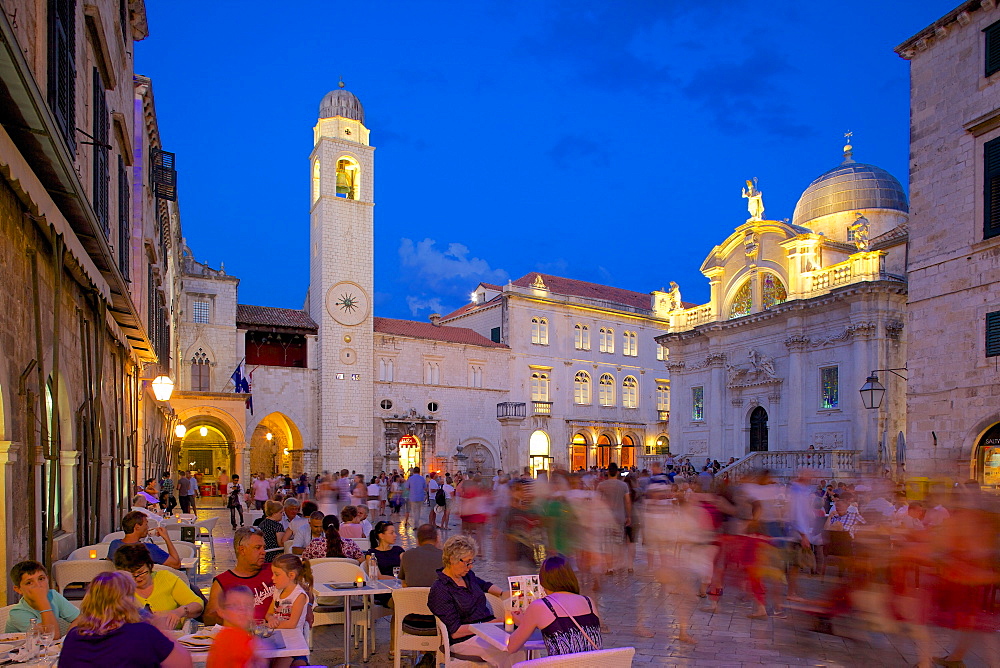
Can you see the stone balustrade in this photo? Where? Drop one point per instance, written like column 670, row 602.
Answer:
column 784, row 463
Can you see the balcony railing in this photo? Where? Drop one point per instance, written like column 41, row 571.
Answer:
column 541, row 407
column 510, row 409
column 663, row 416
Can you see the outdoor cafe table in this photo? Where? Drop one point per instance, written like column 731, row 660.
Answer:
column 328, row 590
column 294, row 645
column 493, row 633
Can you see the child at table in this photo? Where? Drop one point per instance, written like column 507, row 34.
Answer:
column 235, row 646
column 290, row 605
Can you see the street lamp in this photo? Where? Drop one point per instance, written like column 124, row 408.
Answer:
column 872, row 392
column 163, row 387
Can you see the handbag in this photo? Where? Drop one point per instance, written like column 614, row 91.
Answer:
column 573, row 619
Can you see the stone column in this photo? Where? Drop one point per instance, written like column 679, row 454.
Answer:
column 10, row 546
column 715, row 396
column 510, row 443
column 796, row 344
column 241, row 462
column 68, row 461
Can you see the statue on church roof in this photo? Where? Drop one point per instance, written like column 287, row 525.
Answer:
column 755, row 200
column 861, row 229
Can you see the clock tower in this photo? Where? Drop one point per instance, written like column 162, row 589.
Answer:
column 341, row 280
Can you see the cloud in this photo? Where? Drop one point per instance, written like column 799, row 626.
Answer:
column 746, row 95
column 421, row 303
column 570, row 151
column 450, row 270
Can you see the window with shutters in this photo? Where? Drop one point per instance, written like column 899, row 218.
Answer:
column 630, row 392
column 991, row 184
column 124, row 228
column 662, row 397
column 992, row 50
column 62, row 68
column 539, row 386
column 101, row 129
column 993, row 334
column 163, row 174
column 581, row 388
column 606, row 390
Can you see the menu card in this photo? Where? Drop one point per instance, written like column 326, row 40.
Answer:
column 523, row 590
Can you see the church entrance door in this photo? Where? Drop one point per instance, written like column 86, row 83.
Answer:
column 758, row 430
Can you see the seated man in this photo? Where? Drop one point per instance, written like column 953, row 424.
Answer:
column 38, row 601
column 136, row 528
column 251, row 570
column 418, row 566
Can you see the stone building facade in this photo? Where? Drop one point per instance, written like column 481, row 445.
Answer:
column 586, row 383
column 800, row 314
column 953, row 412
column 86, row 230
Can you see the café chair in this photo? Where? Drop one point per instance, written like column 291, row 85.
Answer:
column 326, row 560
column 80, row 571
column 100, row 552
column 114, row 535
column 620, row 657
column 411, row 601
column 5, row 615
column 445, row 656
column 206, row 529
column 330, row 609
column 498, row 606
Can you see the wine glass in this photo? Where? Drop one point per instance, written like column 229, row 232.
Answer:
column 395, row 572
column 46, row 636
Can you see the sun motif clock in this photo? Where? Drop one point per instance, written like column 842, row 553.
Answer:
column 348, row 303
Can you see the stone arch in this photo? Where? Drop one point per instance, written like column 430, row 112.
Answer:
column 284, row 452
column 348, row 176
column 189, row 416
column 970, row 445
column 483, row 456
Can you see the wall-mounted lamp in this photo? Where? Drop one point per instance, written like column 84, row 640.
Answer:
column 269, row 436
column 203, row 431
column 163, row 387
column 872, row 392
column 180, row 430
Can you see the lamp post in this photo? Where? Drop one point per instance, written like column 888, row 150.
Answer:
column 872, row 394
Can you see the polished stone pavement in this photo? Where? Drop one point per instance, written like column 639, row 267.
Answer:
column 630, row 602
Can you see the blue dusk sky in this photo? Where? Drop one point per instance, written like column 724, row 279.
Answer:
column 599, row 140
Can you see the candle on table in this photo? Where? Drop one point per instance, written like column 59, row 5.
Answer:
column 93, row 554
column 508, row 624
column 360, row 582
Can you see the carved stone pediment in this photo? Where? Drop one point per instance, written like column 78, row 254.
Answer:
column 758, row 370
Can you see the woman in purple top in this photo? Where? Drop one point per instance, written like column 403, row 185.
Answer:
column 458, row 599
column 109, row 631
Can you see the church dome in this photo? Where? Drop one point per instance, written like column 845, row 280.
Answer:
column 343, row 103
column 851, row 186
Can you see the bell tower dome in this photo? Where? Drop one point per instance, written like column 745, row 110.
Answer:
column 341, row 279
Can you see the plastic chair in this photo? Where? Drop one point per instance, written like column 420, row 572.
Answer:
column 208, row 526
column 411, row 601
column 81, row 553
column 4, row 616
column 66, row 572
column 363, row 543
column 603, row 658
column 114, row 535
column 329, row 609
column 326, row 560
column 450, row 660
column 498, row 606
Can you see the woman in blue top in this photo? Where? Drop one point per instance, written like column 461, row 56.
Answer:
column 566, row 619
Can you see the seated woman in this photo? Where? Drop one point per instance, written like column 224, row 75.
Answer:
column 272, row 529
column 458, row 599
column 160, row 592
column 331, row 544
column 350, row 526
column 109, row 631
column 386, row 554
column 566, row 619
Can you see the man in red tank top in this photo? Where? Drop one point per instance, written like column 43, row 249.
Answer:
column 250, row 571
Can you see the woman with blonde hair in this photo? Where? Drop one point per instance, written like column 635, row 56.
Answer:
column 110, row 630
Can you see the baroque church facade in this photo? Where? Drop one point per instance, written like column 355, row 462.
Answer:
column 800, row 314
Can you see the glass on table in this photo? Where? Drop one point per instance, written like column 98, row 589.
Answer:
column 395, row 572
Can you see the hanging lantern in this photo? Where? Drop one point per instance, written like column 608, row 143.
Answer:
column 180, row 430
column 163, row 387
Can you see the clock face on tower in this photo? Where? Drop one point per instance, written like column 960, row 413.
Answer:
column 347, row 303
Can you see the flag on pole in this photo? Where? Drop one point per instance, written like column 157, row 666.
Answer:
column 241, row 384
column 250, row 397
